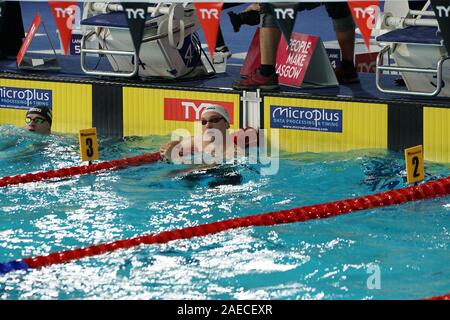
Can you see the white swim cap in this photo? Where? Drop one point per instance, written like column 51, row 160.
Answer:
column 218, row 109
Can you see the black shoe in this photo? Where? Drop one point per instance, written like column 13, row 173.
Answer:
column 346, row 74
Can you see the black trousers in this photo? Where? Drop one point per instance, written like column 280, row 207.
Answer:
column 11, row 28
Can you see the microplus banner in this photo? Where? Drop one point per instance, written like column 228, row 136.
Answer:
column 24, row 98
column 299, row 118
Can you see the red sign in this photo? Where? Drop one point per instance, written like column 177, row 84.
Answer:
column 30, row 35
column 365, row 14
column 209, row 17
column 293, row 59
column 64, row 14
column 253, row 58
column 366, row 62
column 191, row 110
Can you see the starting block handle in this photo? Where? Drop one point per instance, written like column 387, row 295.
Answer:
column 380, row 67
column 85, row 51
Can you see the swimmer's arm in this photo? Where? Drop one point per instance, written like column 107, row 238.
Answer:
column 172, row 149
column 166, row 150
column 197, row 167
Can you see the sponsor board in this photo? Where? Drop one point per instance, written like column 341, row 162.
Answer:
column 24, row 98
column 361, row 125
column 29, row 38
column 299, row 118
column 293, row 59
column 191, row 110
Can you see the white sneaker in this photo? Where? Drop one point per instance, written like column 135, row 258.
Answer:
column 224, row 51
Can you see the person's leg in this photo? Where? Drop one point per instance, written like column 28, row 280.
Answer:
column 346, row 40
column 270, row 34
column 220, row 45
column 344, row 27
column 268, row 42
column 220, row 42
column 11, row 28
column 265, row 77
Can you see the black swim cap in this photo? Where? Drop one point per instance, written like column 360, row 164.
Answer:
column 42, row 111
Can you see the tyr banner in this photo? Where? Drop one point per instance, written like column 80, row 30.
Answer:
column 209, row 16
column 365, row 14
column 64, row 14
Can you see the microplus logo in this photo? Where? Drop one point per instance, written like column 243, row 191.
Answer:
column 24, row 98
column 314, row 119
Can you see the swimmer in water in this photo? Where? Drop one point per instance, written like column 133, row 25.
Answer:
column 39, row 119
column 215, row 140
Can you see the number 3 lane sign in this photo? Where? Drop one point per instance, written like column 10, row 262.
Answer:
column 88, row 144
column 414, row 164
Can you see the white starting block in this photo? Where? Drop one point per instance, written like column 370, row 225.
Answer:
column 414, row 42
column 170, row 47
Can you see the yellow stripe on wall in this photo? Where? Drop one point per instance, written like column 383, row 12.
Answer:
column 364, row 125
column 71, row 105
column 143, row 110
column 436, row 134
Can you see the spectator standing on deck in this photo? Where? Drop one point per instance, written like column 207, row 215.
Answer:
column 265, row 77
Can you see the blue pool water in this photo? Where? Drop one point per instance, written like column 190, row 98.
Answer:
column 337, row 258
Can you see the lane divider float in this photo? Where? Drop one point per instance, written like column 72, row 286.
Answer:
column 79, row 170
column 430, row 189
column 444, row 297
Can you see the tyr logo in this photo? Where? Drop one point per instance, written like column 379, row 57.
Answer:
column 209, row 13
column 369, row 13
column 192, row 106
column 283, row 13
column 71, row 15
column 366, row 67
column 443, row 11
column 191, row 110
column 135, row 13
column 66, row 12
column 362, row 12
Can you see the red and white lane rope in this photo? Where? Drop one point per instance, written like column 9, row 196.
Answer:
column 79, row 170
column 444, row 297
column 436, row 188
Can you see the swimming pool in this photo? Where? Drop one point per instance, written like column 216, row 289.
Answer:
column 320, row 259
